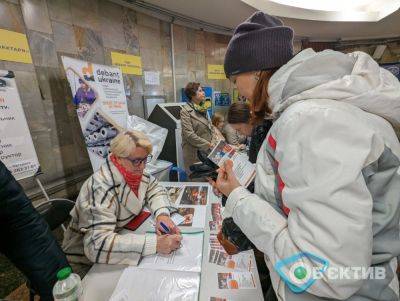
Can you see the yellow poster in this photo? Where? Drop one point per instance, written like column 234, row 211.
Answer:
column 129, row 64
column 216, row 72
column 14, row 47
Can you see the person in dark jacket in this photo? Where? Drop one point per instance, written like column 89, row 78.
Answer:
column 26, row 239
column 239, row 117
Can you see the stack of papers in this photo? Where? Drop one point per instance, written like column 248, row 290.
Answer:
column 165, row 277
column 156, row 285
column 187, row 258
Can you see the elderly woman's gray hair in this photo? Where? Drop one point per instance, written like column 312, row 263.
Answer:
column 124, row 143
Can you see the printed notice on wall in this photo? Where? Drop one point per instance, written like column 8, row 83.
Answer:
column 215, row 72
column 152, row 78
column 14, row 47
column 16, row 147
column 100, row 101
column 129, row 64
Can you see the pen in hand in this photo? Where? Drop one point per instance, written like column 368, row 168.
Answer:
column 165, row 228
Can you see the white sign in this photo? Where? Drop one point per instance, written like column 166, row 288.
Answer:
column 152, row 78
column 100, row 100
column 17, row 151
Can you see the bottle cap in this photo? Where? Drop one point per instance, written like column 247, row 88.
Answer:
column 64, row 273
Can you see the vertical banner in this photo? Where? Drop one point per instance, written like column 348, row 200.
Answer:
column 99, row 96
column 17, row 151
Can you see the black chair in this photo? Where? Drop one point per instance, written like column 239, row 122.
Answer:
column 55, row 212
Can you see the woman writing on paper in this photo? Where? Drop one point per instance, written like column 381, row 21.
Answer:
column 327, row 184
column 111, row 198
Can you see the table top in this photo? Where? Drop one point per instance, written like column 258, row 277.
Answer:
column 101, row 280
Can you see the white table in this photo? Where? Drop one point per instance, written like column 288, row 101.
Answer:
column 101, row 280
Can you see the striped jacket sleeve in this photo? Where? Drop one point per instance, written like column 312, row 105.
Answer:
column 98, row 219
column 156, row 197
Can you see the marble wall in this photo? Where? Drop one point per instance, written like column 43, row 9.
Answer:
column 90, row 30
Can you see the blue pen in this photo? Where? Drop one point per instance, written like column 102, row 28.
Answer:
column 165, row 228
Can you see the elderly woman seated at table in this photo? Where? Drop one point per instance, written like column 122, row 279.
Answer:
column 111, row 198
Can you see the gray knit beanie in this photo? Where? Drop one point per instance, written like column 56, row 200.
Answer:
column 259, row 43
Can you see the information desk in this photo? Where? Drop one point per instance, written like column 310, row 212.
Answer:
column 102, row 279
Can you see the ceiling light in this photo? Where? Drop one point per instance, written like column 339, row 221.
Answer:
column 328, row 10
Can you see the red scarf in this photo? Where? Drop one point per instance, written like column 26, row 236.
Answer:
column 133, row 180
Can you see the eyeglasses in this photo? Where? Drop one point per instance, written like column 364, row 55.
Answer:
column 137, row 162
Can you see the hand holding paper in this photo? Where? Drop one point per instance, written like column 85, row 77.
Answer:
column 226, row 181
column 243, row 170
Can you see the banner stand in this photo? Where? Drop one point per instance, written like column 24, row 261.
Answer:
column 17, row 151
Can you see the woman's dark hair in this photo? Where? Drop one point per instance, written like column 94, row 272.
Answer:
column 217, row 118
column 239, row 113
column 259, row 104
column 191, row 89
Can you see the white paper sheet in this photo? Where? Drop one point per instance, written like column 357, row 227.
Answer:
column 187, row 258
column 152, row 285
column 152, row 78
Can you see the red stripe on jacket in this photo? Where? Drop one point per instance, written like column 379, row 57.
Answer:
column 281, row 184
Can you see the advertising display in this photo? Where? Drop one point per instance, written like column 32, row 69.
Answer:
column 99, row 96
column 17, row 151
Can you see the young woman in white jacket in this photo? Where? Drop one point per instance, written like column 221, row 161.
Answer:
column 325, row 211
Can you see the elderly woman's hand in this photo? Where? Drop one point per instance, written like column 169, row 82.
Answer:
column 166, row 220
column 168, row 243
column 226, row 180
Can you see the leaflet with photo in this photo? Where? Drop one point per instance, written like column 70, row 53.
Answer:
column 243, row 169
column 216, row 223
column 241, row 261
column 236, row 280
column 194, row 195
column 174, row 193
column 214, row 243
column 193, row 216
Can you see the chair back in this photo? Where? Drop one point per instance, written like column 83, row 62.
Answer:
column 55, row 212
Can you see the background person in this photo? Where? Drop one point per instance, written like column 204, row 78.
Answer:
column 239, row 118
column 234, row 137
column 197, row 130
column 218, row 121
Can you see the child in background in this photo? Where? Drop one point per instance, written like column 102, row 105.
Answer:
column 218, row 122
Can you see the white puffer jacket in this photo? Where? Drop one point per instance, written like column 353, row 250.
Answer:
column 328, row 180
